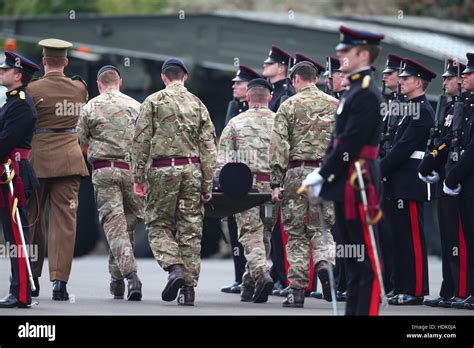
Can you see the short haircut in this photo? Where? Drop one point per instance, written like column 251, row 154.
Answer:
column 285, row 66
column 25, row 77
column 174, row 73
column 307, row 73
column 109, row 77
column 55, row 62
column 258, row 95
column 374, row 51
column 424, row 84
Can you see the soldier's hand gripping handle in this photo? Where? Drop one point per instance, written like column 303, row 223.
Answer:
column 206, row 197
column 140, row 189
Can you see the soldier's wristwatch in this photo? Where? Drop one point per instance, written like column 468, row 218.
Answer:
column 274, row 185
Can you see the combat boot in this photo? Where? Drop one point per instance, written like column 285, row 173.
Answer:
column 295, row 299
column 117, row 288
column 175, row 282
column 322, row 269
column 186, row 296
column 246, row 293
column 134, row 287
column 263, row 288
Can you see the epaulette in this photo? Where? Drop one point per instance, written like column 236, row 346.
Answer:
column 366, row 81
column 78, row 78
column 435, row 152
column 22, row 95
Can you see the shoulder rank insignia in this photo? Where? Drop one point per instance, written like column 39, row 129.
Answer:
column 366, row 81
column 22, row 95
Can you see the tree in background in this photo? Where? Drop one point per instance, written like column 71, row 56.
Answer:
column 461, row 10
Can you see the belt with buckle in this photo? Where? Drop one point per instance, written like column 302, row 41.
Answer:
column 295, row 164
column 171, row 162
column 108, row 164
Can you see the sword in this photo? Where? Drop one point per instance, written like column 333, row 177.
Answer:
column 369, row 223
column 16, row 218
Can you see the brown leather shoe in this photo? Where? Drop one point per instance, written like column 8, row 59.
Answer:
column 295, row 299
column 117, row 288
column 134, row 287
column 246, row 293
column 175, row 282
column 186, row 296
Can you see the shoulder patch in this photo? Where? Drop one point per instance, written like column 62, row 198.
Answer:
column 366, row 81
column 22, row 95
column 78, row 78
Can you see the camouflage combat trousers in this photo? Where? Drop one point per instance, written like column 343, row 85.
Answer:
column 254, row 234
column 173, row 217
column 120, row 210
column 301, row 222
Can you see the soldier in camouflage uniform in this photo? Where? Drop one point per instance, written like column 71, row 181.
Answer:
column 106, row 127
column 174, row 131
column 301, row 132
column 246, row 139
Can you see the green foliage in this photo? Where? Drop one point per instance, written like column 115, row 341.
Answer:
column 58, row 7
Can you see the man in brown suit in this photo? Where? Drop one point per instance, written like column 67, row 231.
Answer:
column 58, row 163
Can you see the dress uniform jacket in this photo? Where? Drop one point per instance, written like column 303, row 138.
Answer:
column 400, row 165
column 58, row 101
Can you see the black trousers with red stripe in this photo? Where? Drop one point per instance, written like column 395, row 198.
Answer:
column 19, row 286
column 339, row 268
column 406, row 219
column 277, row 255
column 385, row 240
column 237, row 249
column 467, row 218
column 453, row 248
column 363, row 287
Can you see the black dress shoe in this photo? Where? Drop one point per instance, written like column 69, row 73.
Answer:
column 468, row 303
column 284, row 292
column 435, row 302
column 175, row 282
column 236, row 289
column 11, row 301
column 277, row 287
column 37, row 286
column 449, row 302
column 263, row 288
column 316, row 294
column 228, row 289
column 341, row 296
column 405, row 300
column 60, row 291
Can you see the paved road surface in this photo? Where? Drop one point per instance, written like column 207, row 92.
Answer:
column 89, row 284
